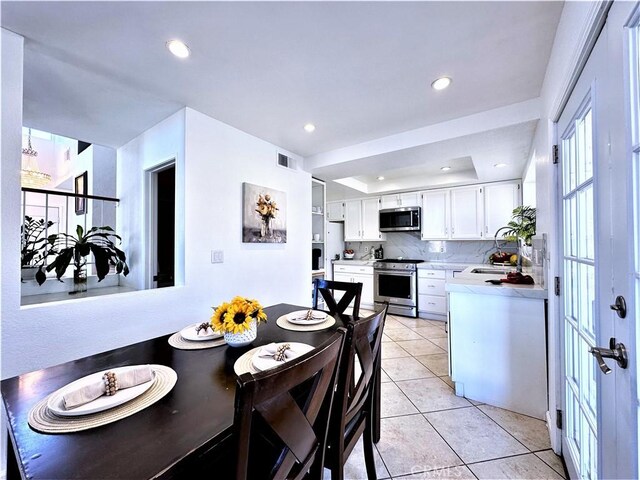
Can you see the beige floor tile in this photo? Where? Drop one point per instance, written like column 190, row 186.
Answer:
column 531, row 432
column 437, row 323
column 409, row 444
column 475, row 402
column 384, row 377
column 473, row 435
column 393, row 350
column 522, row 467
column 448, row 473
column 393, row 402
column 553, row 460
column 420, row 347
column 405, row 369
column 442, row 342
column 413, row 322
column 355, row 468
column 430, row 332
column 385, row 338
column 391, row 323
column 438, row 363
column 405, row 333
column 431, row 394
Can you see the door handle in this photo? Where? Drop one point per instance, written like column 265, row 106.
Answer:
column 617, row 351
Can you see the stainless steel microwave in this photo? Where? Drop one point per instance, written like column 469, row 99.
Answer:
column 406, row 219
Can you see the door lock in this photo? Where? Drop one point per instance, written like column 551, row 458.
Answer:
column 620, row 307
column 617, row 351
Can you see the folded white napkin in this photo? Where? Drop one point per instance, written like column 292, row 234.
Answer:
column 271, row 350
column 308, row 315
column 88, row 393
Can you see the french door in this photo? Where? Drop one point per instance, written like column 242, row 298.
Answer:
column 599, row 258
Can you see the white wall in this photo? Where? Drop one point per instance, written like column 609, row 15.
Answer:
column 156, row 146
column 571, row 36
column 213, row 218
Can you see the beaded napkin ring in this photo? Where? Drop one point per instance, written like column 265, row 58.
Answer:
column 110, row 383
column 203, row 326
column 280, row 356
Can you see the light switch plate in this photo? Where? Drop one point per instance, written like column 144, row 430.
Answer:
column 217, row 256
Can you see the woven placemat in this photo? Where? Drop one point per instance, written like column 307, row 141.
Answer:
column 244, row 364
column 176, row 341
column 282, row 322
column 43, row 420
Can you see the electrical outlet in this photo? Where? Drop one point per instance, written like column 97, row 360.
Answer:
column 365, row 249
column 217, row 256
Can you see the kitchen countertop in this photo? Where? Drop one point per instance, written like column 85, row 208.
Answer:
column 355, row 263
column 475, row 283
column 442, row 266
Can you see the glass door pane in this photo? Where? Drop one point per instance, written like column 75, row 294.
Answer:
column 580, row 292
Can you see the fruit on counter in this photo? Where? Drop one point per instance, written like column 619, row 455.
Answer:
column 500, row 257
column 513, row 259
column 349, row 252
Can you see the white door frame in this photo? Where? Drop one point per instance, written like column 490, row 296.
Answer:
column 151, row 210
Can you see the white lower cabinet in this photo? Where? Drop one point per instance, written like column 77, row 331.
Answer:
column 355, row 274
column 432, row 297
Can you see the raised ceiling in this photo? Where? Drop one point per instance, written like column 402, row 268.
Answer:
column 100, row 72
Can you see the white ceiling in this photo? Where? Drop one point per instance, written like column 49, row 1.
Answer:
column 99, row 71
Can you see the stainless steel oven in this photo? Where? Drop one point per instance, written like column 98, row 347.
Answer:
column 396, row 282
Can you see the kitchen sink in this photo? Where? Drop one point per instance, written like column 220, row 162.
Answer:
column 490, row 271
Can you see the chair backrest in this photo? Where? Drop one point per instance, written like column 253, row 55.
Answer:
column 352, row 291
column 282, row 415
column 354, row 395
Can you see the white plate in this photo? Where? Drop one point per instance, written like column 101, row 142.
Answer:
column 56, row 402
column 265, row 363
column 299, row 317
column 189, row 333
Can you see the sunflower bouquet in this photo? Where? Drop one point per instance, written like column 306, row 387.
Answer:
column 237, row 315
column 267, row 207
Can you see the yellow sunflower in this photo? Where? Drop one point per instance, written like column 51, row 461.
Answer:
column 237, row 315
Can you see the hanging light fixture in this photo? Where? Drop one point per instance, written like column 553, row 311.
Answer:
column 30, row 175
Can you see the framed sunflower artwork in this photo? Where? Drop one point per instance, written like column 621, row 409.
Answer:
column 264, row 215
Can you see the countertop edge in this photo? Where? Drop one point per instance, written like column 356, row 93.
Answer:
column 465, row 285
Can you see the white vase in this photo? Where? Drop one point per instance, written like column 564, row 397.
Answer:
column 242, row 339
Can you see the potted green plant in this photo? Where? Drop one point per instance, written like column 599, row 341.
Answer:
column 35, row 247
column 99, row 241
column 521, row 229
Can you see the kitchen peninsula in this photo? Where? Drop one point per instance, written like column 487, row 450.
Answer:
column 497, row 337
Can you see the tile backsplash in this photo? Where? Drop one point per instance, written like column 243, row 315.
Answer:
column 409, row 245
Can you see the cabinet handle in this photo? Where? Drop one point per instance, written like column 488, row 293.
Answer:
column 486, row 229
column 431, row 303
column 453, row 230
column 446, row 231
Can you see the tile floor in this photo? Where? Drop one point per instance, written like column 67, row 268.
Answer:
column 429, row 433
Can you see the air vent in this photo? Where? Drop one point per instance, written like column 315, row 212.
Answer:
column 286, row 162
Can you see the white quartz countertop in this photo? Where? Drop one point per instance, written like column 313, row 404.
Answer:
column 468, row 282
column 443, row 266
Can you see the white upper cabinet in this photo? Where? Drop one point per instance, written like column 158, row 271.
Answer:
column 411, row 199
column 353, row 220
column 371, row 219
column 467, row 213
column 499, row 201
column 362, row 220
column 335, row 211
column 435, row 215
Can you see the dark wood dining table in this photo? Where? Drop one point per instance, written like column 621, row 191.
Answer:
column 161, row 441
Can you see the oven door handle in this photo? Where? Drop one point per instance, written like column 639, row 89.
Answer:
column 395, row 273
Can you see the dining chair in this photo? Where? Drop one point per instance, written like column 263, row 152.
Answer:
column 325, row 288
column 282, row 415
column 354, row 404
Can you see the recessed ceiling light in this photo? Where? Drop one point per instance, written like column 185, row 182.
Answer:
column 441, row 83
column 178, row 48
column 309, row 127
column 500, row 165
column 380, row 178
column 445, row 169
